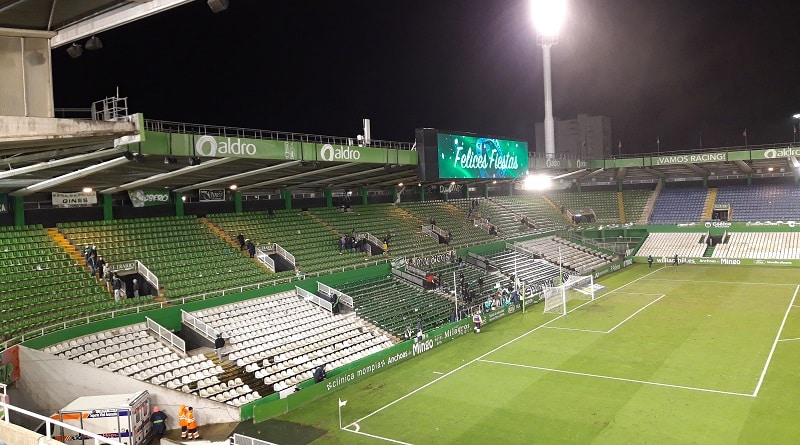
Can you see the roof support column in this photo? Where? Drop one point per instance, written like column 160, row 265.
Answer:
column 178, row 197
column 394, row 194
column 363, row 192
column 328, row 194
column 286, row 195
column 237, row 201
column 19, row 211
column 108, row 211
column 421, row 193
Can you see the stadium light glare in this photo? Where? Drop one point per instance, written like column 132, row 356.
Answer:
column 538, row 182
column 796, row 115
column 233, row 187
column 87, row 190
column 548, row 16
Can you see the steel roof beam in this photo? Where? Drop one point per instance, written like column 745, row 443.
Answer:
column 168, row 175
column 236, row 176
column 77, row 174
column 56, row 163
column 297, row 176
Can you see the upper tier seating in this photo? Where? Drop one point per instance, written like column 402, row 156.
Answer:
column 41, row 284
column 395, row 305
column 767, row 245
column 507, row 222
column 670, row 244
column 406, row 237
column 604, row 203
column 313, row 245
column 764, row 202
column 449, row 218
column 281, row 339
column 186, row 255
column 537, row 209
column 681, row 204
column 635, row 201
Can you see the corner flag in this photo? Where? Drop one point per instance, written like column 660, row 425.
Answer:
column 342, row 402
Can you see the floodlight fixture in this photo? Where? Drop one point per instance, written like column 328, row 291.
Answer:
column 796, row 115
column 217, row 6
column 170, row 160
column 400, row 184
column 538, row 182
column 548, row 16
column 194, row 160
column 87, row 190
column 75, row 50
column 94, row 43
column 129, row 156
column 233, row 187
column 139, row 157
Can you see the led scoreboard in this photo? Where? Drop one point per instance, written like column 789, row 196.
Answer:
column 447, row 155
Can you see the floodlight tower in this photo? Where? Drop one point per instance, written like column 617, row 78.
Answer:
column 547, row 18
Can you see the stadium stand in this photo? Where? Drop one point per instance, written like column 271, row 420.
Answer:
column 764, row 245
column 42, row 284
column 394, row 305
column 634, row 202
column 281, row 339
column 186, row 255
column 670, row 244
column 537, row 209
column 507, row 223
column 761, row 202
column 679, row 204
column 536, row 273
column 570, row 255
column 312, row 243
column 604, row 203
column 380, row 220
column 450, row 218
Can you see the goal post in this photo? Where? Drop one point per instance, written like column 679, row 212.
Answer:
column 575, row 288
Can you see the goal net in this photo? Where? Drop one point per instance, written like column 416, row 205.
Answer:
column 575, row 288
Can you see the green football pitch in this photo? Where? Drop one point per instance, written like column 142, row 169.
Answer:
column 687, row 354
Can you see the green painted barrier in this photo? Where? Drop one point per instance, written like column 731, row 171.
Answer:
column 720, row 261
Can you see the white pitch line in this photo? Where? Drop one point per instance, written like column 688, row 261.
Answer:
column 632, row 315
column 437, row 372
column 620, row 379
column 775, row 343
column 576, row 329
column 789, row 339
column 374, row 436
column 723, row 282
column 543, row 325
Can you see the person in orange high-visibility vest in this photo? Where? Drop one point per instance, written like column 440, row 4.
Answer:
column 192, row 425
column 183, row 420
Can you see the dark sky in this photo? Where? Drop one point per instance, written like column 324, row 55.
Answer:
column 668, row 69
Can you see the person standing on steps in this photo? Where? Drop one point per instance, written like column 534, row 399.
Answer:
column 650, row 261
column 219, row 343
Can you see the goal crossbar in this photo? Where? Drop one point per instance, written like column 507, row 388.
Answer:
column 575, row 288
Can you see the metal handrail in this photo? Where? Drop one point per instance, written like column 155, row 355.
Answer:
column 166, row 335
column 199, row 325
column 251, row 133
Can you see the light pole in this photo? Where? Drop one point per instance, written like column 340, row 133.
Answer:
column 547, row 18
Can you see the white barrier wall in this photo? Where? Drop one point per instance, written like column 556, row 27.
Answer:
column 52, row 382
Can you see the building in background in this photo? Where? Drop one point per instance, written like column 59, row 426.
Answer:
column 585, row 137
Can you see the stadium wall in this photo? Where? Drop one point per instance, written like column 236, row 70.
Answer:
column 17, row 435
column 53, row 382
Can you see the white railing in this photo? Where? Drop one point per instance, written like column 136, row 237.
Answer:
column 199, row 325
column 145, row 272
column 50, row 423
column 316, row 299
column 329, row 291
column 238, row 439
column 285, row 254
column 265, row 259
column 166, row 334
column 426, row 229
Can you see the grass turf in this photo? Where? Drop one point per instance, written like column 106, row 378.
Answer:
column 665, row 355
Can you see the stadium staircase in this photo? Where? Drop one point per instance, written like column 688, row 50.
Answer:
column 233, row 242
column 56, row 235
column 708, row 210
column 323, row 223
column 557, row 209
column 650, row 204
column 708, row 252
column 621, row 205
column 230, row 371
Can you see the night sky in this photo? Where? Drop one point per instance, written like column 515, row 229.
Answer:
column 668, row 69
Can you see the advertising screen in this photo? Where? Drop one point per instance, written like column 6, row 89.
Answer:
column 467, row 156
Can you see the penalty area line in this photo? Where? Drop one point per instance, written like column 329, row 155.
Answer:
column 524, row 334
column 634, row 314
column 620, row 379
column 789, row 339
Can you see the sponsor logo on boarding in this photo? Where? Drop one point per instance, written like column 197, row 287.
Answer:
column 209, row 147
column 708, row 261
column 729, row 261
column 550, row 162
column 341, row 153
column 718, row 224
column 422, row 346
column 781, row 153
